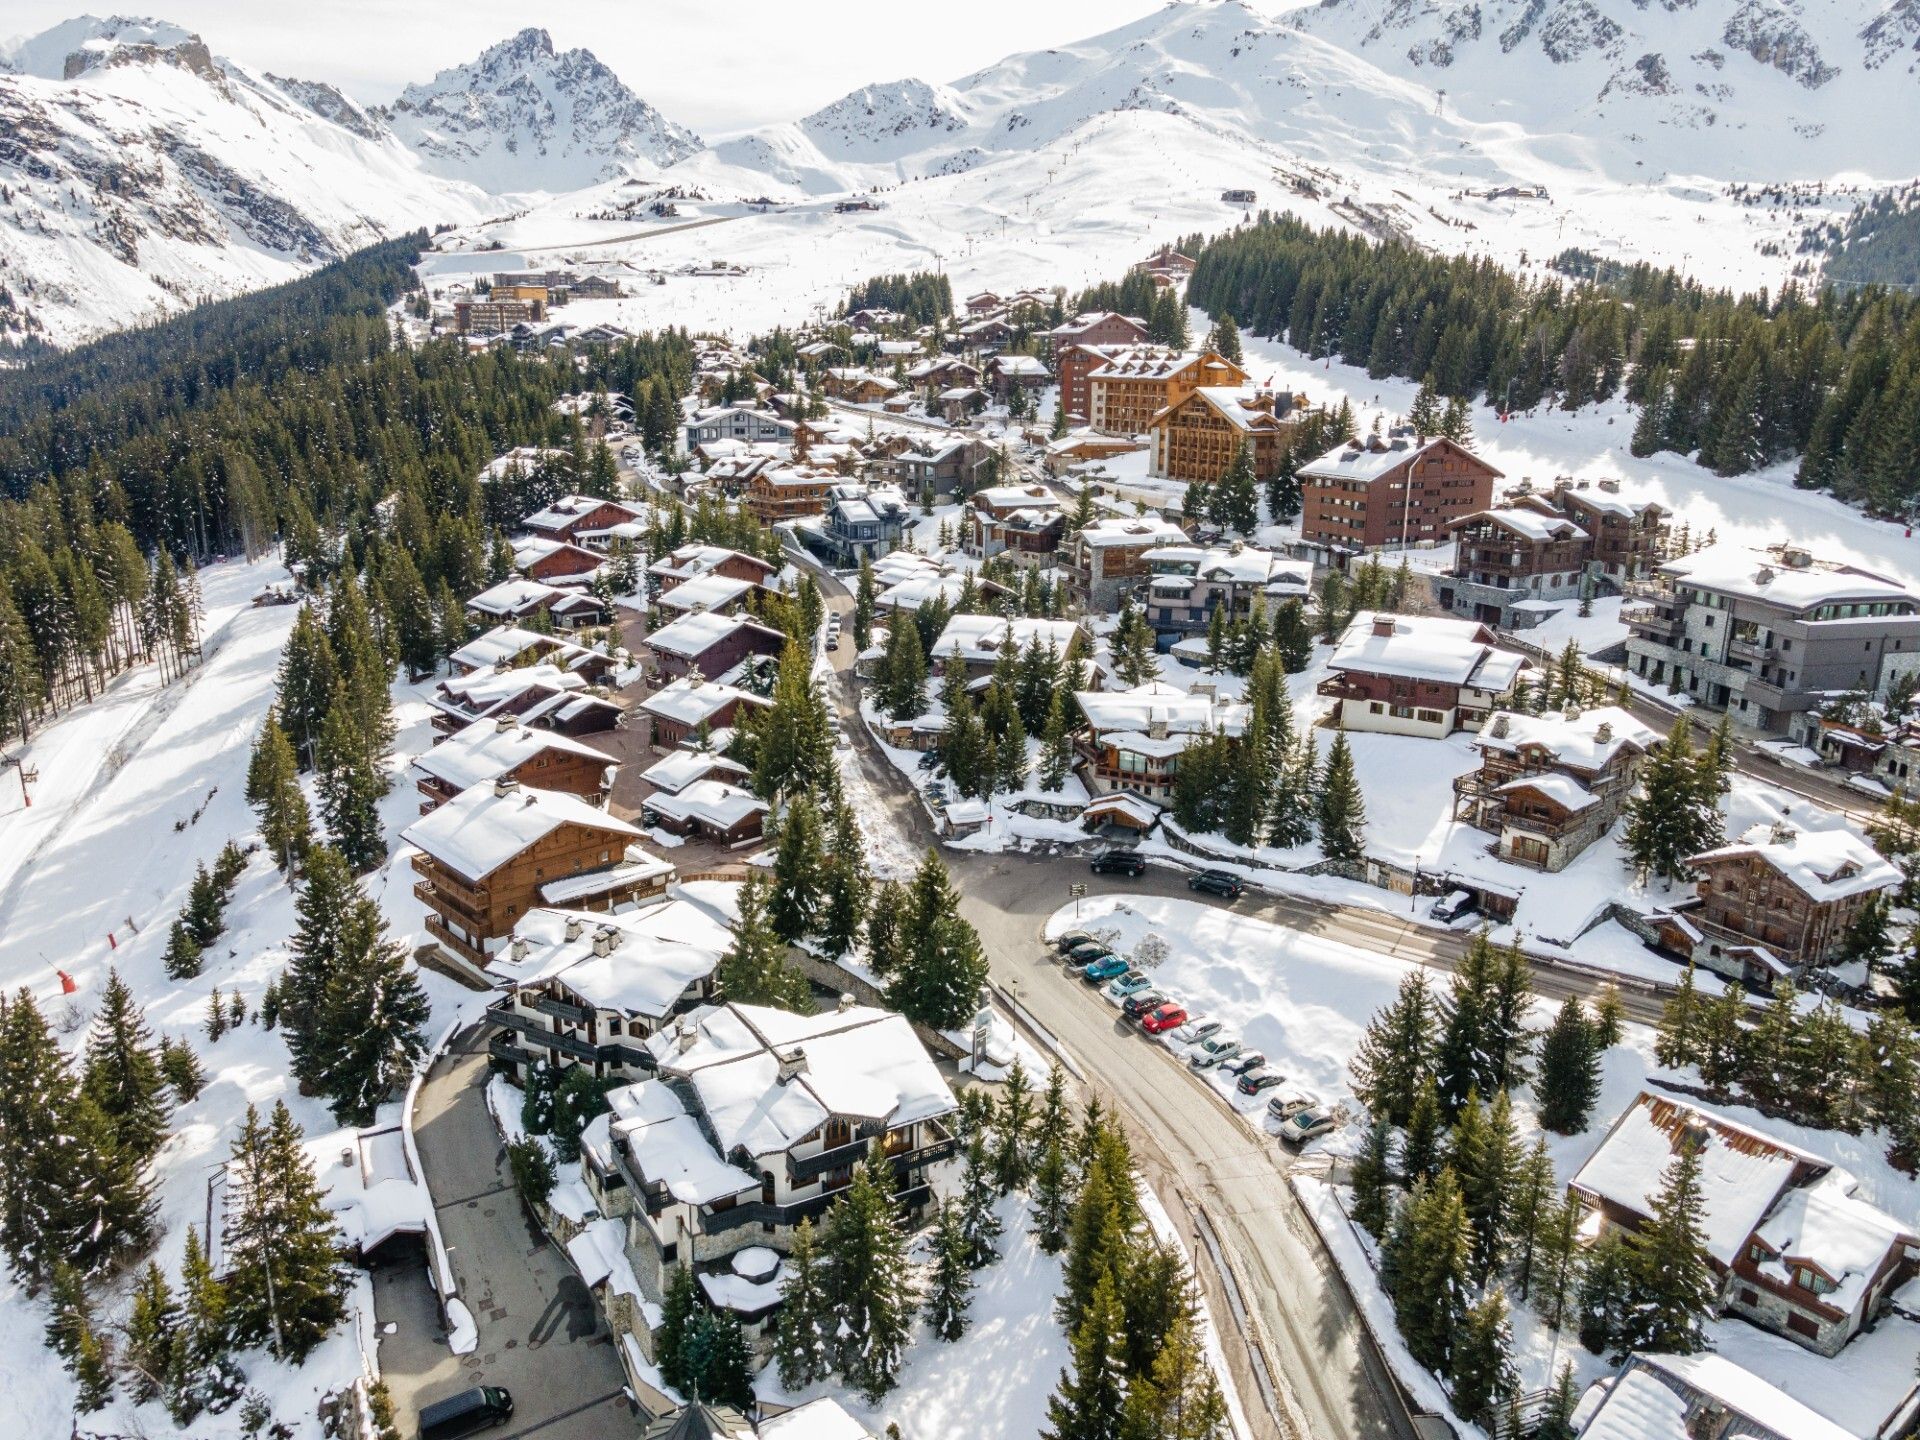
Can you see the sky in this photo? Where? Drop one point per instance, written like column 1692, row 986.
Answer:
column 717, row 66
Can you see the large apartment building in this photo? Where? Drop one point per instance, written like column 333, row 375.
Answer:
column 1769, row 635
column 1137, row 383
column 1395, row 490
column 1198, row 436
column 1518, row 564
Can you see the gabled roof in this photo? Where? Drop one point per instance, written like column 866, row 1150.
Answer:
column 483, row 827
column 1824, row 865
column 691, row 636
column 1367, row 459
column 1425, row 647
column 1586, row 740
column 486, row 752
column 712, row 802
column 692, row 702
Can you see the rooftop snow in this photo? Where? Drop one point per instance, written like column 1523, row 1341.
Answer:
column 1573, row 741
column 1425, row 647
column 1765, row 575
column 712, row 801
column 683, row 767
column 486, row 752
column 691, row 703
column 691, row 636
column 479, row 830
column 705, row 592
column 982, row 637
column 1822, row 864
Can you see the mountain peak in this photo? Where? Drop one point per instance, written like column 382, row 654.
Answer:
column 86, row 43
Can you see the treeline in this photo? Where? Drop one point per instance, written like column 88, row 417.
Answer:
column 1878, row 244
column 1136, row 295
column 1743, row 381
column 924, row 299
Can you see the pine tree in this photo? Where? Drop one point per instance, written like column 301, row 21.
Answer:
column 1483, row 1375
column 350, row 786
column 182, row 1069
column 864, row 597
column 942, row 966
column 1555, row 1421
column 1556, row 1259
column 1235, row 501
column 869, row 1285
column 754, row 969
column 1052, row 1193
column 951, row 1281
column 152, row 1340
column 1432, row 1259
column 799, row 873
column 1420, row 1151
column 274, row 791
column 1179, row 1398
column 849, row 886
column 1013, row 1123
column 802, row 1344
column 1372, row 1180
column 1484, row 1040
column 901, row 688
column 1293, row 805
column 1396, row 1054
column 286, row 1275
column 308, row 674
column 1088, row 1402
column 1722, row 1040
column 369, row 1034
column 1673, row 1287
column 1292, row 637
column 1341, row 812
column 123, row 1073
column 1675, row 815
column 1534, row 1195
column 1484, row 1153
column 1569, row 1082
column 1606, row 1285
column 72, row 1334
column 679, row 1308
column 978, row 1220
column 204, row 910
column 203, row 1377
column 1056, row 745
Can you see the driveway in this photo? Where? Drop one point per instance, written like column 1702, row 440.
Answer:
column 540, row 1333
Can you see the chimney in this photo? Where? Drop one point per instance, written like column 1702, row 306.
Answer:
column 1157, row 728
column 1783, row 833
column 1502, row 723
column 1572, row 712
column 574, row 926
column 1604, row 734
column 845, row 1004
column 504, row 786
column 793, row 1064
column 606, row 940
column 507, row 722
column 1383, row 626
column 519, row 947
column 683, row 1035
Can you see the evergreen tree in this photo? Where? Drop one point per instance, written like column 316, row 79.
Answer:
column 1676, row 1043
column 350, row 786
column 803, row 1340
column 1432, row 1248
column 1056, row 745
column 1533, row 1196
column 1132, row 646
column 1675, row 814
column 1292, row 807
column 1013, row 1124
column 1420, row 1151
column 864, row 597
column 1484, row 1040
column 308, row 674
column 799, row 873
column 848, row 886
column 182, row 1069
column 942, row 966
column 273, row 789
column 1484, row 1153
column 869, row 1285
column 1484, row 1379
column 123, row 1073
column 203, row 1377
column 1555, row 1420
column 1052, row 1193
column 1340, row 810
column 72, row 1335
column 205, row 909
column 1673, row 1289
column 901, row 685
column 1235, row 501
column 716, row 1360
column 1556, row 1259
column 679, row 1309
column 951, row 1281
column 152, row 1340
column 1569, row 1070
column 1088, row 1402
column 1292, row 638
column 369, row 1034
column 1372, row 1180
column 886, row 929
column 1179, row 1399
column 754, row 969
column 978, row 1220
column 1607, row 1282
column 286, row 1278
column 1396, row 1054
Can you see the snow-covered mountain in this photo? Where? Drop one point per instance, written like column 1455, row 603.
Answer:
column 525, row 117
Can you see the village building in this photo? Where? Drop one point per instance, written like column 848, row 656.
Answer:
column 691, row 706
column 783, row 493
column 1549, row 785
column 494, row 852
column 1108, row 558
column 1007, row 373
column 1166, row 265
column 977, row 641
column 510, row 749
column 543, row 695
column 1768, row 636
column 856, row 386
column 1797, row 1252
column 941, row 372
column 577, row 517
column 1134, row 738
column 944, row 468
column 1885, row 749
column 1136, row 384
column 711, row 644
column 677, row 769
column 496, row 315
column 1086, row 446
column 555, row 562
column 745, row 423
column 1517, row 565
column 508, row 647
column 719, row 593
column 716, row 811
column 984, row 531
column 588, row 989
column 753, row 1121
column 1395, row 491
column 1102, row 328
column 1418, row 675
column 1776, row 902
column 863, row 522
column 1698, row 1397
column 1187, row 583
column 692, row 561
column 512, row 602
column 1197, row 438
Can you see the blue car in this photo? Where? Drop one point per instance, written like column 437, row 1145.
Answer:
column 1105, row 969
column 1131, row 983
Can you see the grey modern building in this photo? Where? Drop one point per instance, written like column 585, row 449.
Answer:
column 1769, row 635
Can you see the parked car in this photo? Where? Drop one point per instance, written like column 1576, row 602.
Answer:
column 1067, row 940
column 1102, row 970
column 1087, row 950
column 929, row 759
column 1170, row 1016
column 1253, row 1082
column 833, row 639
column 1304, row 1125
column 1211, row 1051
column 1131, row 983
column 1244, row 1061
column 1292, row 1102
column 1079, row 960
column 1119, row 862
column 1454, row 905
column 1142, row 1003
column 1218, row 882
column 1197, row 1028
column 481, row 1408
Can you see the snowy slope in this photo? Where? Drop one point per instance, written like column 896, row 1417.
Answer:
column 522, row 117
column 158, row 175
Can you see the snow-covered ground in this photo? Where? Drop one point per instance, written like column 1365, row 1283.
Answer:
column 134, row 792
column 1304, row 1000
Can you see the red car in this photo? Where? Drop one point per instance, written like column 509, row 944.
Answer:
column 1167, row 1017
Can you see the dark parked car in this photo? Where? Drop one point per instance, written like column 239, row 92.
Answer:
column 1134, row 1006
column 1119, row 862
column 1068, row 939
column 473, row 1410
column 1218, row 882
column 1254, row 1081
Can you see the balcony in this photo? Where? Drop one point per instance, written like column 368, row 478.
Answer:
column 458, row 944
column 501, row 1047
column 839, row 1157
column 434, row 897
column 539, row 1036
column 561, row 1010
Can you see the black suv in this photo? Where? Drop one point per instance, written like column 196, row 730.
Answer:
column 1119, row 862
column 1217, row 882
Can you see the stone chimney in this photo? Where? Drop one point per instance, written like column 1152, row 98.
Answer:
column 606, row 940
column 574, row 926
column 793, row 1064
column 504, row 786
column 845, row 1004
column 1783, row 832
column 1383, row 626
column 1604, row 734
column 519, row 947
column 507, row 723
column 1502, row 723
column 683, row 1036
column 1157, row 728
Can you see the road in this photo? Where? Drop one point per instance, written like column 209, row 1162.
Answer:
column 541, row 1334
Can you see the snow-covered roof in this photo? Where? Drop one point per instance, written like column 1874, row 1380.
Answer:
column 711, row 591
column 1529, row 524
column 980, row 638
column 571, row 507
column 517, row 597
column 529, row 550
column 1124, row 717
column 1766, row 1408
column 713, row 802
column 1015, row 497
column 1584, row 740
column 898, row 565
column 483, row 827
column 1563, row 790
column 1742, row 1170
column 1826, row 1225
column 1366, row 459
column 484, row 752
column 1141, row 530
column 1638, row 1405
column 483, row 691
column 1019, row 365
column 1823, row 865
column 1425, row 647
column 691, row 701
column 857, row 1063
column 1232, row 404
column 912, row 593
column 634, row 868
column 821, row 1419
column 691, row 636
column 683, row 767
column 523, row 459
column 1781, row 576
column 1142, row 362
column 667, row 1145
column 697, row 559
column 652, row 954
